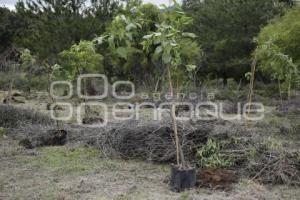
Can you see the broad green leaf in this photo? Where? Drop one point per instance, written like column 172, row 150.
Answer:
column 123, row 18
column 166, row 57
column 191, row 67
column 164, row 6
column 138, row 25
column 148, row 36
column 99, row 40
column 122, row 52
column 111, row 41
column 129, row 36
column 158, row 50
column 180, row 12
column 130, row 27
column 191, row 35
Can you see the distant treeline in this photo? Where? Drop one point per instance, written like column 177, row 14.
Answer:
column 223, row 37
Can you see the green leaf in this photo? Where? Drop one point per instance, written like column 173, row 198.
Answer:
column 122, row 52
column 191, row 68
column 173, row 44
column 138, row 25
column 122, row 17
column 164, row 6
column 129, row 36
column 99, row 40
column 191, row 35
column 158, row 50
column 166, row 57
column 111, row 41
column 130, row 26
column 180, row 12
column 148, row 36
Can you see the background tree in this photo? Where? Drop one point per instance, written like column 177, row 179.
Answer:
column 226, row 29
column 57, row 25
column 81, row 58
column 278, row 49
column 121, row 44
column 11, row 27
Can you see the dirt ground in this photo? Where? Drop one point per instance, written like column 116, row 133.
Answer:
column 75, row 172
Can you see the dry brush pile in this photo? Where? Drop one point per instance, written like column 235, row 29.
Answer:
column 153, row 141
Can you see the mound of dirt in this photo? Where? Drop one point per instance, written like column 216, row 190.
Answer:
column 216, row 178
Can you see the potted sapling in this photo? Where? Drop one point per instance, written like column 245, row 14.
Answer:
column 165, row 45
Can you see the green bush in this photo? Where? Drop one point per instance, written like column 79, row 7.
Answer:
column 210, row 156
column 22, row 82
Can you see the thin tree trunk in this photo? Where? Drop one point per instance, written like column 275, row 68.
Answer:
column 280, row 95
column 51, row 99
column 86, row 107
column 253, row 68
column 157, row 84
column 49, row 83
column 177, row 84
column 85, row 85
column 160, row 81
column 289, row 86
column 239, row 86
column 179, row 153
column 11, row 84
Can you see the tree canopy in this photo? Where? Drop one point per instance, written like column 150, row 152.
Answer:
column 278, row 47
column 81, row 58
column 226, row 29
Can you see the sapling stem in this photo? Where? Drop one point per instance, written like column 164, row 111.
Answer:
column 179, row 153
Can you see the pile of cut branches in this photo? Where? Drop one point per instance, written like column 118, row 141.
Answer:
column 151, row 141
column 12, row 117
column 260, row 162
column 272, row 167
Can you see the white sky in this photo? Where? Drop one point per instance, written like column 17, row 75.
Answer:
column 10, row 3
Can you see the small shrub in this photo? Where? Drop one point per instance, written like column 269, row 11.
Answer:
column 267, row 90
column 232, row 84
column 225, row 94
column 210, row 156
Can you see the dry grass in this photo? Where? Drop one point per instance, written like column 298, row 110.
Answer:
column 76, row 172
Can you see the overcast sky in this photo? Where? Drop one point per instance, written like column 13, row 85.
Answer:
column 10, row 3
